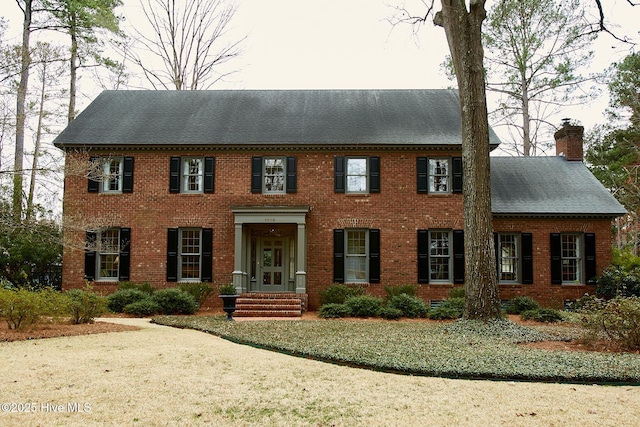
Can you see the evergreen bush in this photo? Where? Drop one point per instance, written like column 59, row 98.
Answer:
column 199, row 291
column 142, row 308
column 123, row 297
column 410, row 306
column 451, row 308
column 521, row 303
column 338, row 293
column 392, row 291
column 390, row 313
column 175, row 301
column 546, row 315
column 85, row 305
column 333, row 311
column 364, row 305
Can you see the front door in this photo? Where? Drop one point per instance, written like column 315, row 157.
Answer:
column 273, row 277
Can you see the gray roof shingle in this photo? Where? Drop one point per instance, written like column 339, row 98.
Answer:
column 268, row 117
column 548, row 186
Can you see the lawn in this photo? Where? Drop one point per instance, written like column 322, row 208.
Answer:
column 453, row 350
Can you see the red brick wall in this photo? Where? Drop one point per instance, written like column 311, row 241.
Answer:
column 398, row 211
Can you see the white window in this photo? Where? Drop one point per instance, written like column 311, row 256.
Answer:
column 192, row 174
column 112, row 170
column 439, row 175
column 356, row 256
column 440, row 252
column 508, row 257
column 274, row 175
column 189, row 255
column 571, row 258
column 357, row 175
column 107, row 253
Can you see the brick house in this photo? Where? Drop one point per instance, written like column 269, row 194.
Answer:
column 283, row 193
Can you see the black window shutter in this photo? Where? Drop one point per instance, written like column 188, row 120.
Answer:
column 555, row 250
column 496, row 248
column 339, row 164
column 90, row 256
column 590, row 258
column 174, row 175
column 458, row 256
column 422, row 170
column 209, row 174
column 124, row 266
column 93, row 185
column 374, row 174
column 206, row 267
column 256, row 174
column 527, row 258
column 292, row 178
column 457, row 174
column 374, row 256
column 127, row 175
column 172, row 255
column 338, row 256
column 423, row 256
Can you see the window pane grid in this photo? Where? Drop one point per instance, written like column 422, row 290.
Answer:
column 439, row 256
column 112, row 179
column 356, row 175
column 439, row 175
column 108, row 253
column 190, row 241
column 508, row 257
column 571, row 258
column 356, row 256
column 274, row 175
column 192, row 175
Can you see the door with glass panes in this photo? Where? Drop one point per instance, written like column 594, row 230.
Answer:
column 273, row 275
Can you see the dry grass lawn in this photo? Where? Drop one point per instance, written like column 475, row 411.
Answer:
column 161, row 376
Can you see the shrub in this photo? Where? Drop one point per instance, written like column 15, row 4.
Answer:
column 586, row 303
column 199, row 291
column 333, row 310
column 410, row 306
column 142, row 308
column 85, row 305
column 392, row 291
column 21, row 308
column 120, row 298
column 546, row 315
column 390, row 313
column 338, row 293
column 615, row 281
column 521, row 303
column 228, row 289
column 144, row 287
column 364, row 305
column 451, row 308
column 458, row 292
column 619, row 320
column 175, row 301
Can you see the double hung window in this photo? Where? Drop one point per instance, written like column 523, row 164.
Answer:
column 356, row 255
column 107, row 254
column 111, row 175
column 274, row 175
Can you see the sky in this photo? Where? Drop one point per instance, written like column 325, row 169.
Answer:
column 349, row 44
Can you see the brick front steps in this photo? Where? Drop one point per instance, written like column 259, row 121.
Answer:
column 270, row 305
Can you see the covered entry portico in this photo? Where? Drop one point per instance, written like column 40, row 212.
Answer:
column 270, row 249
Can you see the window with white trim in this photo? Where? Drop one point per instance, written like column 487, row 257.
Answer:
column 571, row 253
column 508, row 254
column 112, row 170
column 190, row 253
column 108, row 253
column 274, row 173
column 356, row 255
column 357, row 177
column 192, row 174
column 439, row 175
column 440, row 252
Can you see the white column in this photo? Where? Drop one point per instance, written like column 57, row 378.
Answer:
column 301, row 257
column 238, row 275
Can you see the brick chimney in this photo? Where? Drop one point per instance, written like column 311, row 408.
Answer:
column 569, row 141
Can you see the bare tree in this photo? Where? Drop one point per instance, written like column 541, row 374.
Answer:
column 188, row 39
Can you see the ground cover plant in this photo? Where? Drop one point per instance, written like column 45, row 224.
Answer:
column 460, row 349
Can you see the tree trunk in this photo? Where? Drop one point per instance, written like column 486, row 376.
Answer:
column 463, row 30
column 36, row 150
column 20, row 112
column 73, row 70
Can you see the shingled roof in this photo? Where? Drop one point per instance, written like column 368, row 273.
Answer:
column 548, row 186
column 268, row 117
